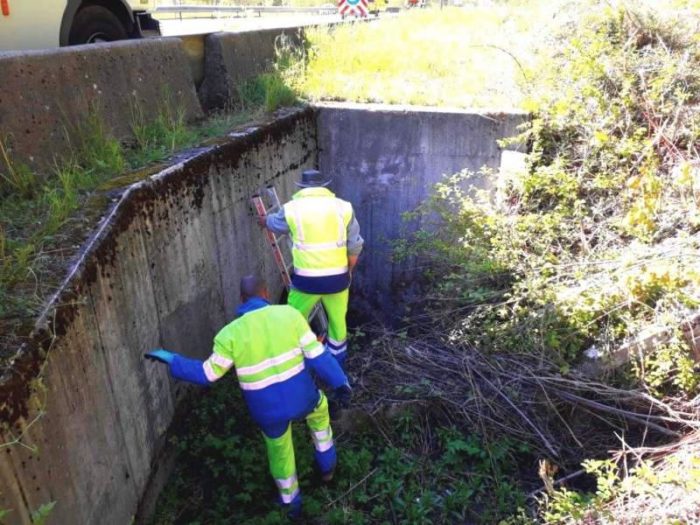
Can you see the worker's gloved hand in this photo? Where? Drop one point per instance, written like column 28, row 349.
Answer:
column 342, row 395
column 164, row 356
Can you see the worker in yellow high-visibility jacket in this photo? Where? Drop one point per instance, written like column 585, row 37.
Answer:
column 326, row 244
column 272, row 349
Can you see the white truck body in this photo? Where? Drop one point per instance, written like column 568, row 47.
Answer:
column 38, row 24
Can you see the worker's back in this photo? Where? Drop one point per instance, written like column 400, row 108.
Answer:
column 265, row 345
column 318, row 222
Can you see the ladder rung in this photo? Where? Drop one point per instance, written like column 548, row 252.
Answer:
column 276, row 241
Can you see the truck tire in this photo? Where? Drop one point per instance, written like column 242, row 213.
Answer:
column 95, row 23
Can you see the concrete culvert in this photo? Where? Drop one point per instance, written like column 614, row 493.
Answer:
column 93, row 424
column 162, row 269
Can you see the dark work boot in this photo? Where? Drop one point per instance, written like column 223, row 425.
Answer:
column 294, row 513
column 334, row 408
column 327, row 477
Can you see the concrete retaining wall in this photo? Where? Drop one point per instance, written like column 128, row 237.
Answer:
column 47, row 96
column 385, row 160
column 231, row 59
column 162, row 270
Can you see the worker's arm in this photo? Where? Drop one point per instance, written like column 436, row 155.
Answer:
column 193, row 370
column 277, row 222
column 355, row 242
column 318, row 358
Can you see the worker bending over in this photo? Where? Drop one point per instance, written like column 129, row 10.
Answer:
column 326, row 243
column 272, row 349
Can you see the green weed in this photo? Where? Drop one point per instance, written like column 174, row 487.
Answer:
column 21, row 262
column 268, row 91
column 277, row 93
column 42, row 514
column 410, row 471
column 96, row 151
column 17, row 177
column 156, row 139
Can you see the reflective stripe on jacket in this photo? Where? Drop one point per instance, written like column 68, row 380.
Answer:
column 270, row 348
column 318, row 223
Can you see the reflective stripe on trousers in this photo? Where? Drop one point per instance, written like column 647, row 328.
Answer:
column 280, row 451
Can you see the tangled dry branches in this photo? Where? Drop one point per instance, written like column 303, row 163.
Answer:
column 562, row 416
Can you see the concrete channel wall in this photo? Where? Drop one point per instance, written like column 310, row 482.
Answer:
column 386, row 160
column 84, row 416
column 161, row 270
column 50, row 96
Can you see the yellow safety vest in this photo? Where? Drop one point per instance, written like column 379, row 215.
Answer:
column 318, row 222
column 267, row 345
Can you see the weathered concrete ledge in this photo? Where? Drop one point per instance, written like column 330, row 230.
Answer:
column 162, row 269
column 49, row 95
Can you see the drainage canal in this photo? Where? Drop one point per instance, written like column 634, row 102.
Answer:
column 400, row 459
column 162, row 269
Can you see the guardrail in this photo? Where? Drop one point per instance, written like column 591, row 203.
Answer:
column 218, row 11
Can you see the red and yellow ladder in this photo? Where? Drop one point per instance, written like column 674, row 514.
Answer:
column 276, row 242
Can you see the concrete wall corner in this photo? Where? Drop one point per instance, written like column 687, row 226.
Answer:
column 232, row 59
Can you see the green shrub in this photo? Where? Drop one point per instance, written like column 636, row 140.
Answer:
column 596, row 239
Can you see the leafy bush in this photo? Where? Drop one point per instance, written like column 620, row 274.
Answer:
column 597, row 239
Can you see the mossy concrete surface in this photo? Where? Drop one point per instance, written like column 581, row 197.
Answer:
column 161, row 269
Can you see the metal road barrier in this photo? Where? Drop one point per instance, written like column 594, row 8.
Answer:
column 218, row 11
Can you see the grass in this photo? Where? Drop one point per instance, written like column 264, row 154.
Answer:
column 407, row 469
column 472, row 57
column 43, row 216
column 17, row 177
column 268, row 91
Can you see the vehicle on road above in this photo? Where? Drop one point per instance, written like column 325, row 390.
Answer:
column 40, row 24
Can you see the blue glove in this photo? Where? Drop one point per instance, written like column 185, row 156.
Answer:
column 161, row 355
column 343, row 395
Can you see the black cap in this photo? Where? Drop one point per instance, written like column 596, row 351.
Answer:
column 312, row 178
